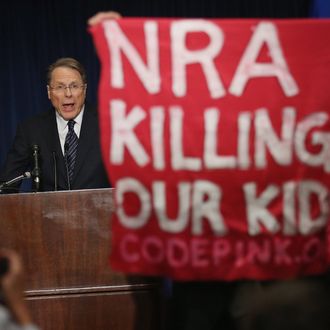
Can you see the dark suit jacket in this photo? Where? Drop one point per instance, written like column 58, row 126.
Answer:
column 89, row 172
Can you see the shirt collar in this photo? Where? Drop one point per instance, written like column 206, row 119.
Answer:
column 62, row 123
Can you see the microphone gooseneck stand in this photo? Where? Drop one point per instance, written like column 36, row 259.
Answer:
column 7, row 185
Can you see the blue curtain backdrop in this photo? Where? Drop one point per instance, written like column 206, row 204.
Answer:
column 34, row 33
column 320, row 8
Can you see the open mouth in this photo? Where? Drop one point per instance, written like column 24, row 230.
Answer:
column 68, row 106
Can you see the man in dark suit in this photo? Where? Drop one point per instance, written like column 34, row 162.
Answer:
column 63, row 162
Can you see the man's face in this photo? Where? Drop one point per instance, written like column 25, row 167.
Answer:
column 68, row 102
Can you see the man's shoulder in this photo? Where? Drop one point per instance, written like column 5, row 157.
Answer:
column 91, row 110
column 39, row 118
column 90, row 117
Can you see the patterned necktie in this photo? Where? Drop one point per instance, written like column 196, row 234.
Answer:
column 70, row 148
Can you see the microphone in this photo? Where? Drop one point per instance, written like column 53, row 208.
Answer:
column 6, row 184
column 55, row 171
column 36, row 169
column 66, row 147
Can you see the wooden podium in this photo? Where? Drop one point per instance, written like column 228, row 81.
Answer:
column 64, row 239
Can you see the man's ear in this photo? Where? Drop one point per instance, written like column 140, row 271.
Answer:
column 48, row 92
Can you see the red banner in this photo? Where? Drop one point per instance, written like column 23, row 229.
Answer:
column 216, row 136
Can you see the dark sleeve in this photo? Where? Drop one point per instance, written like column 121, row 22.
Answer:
column 18, row 158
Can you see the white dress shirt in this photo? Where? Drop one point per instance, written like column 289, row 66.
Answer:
column 62, row 127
